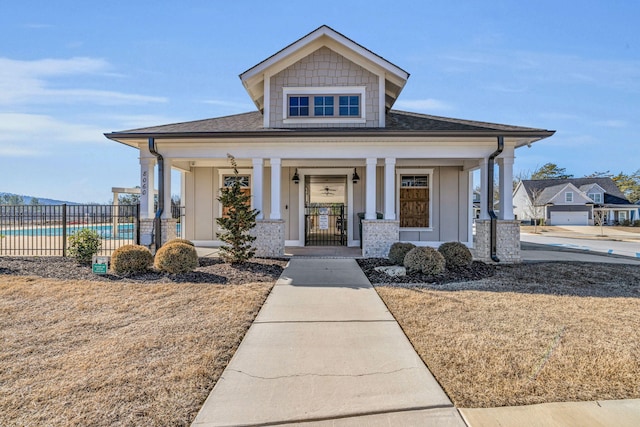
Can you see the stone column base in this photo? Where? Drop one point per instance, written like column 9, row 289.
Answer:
column 168, row 227
column 269, row 241
column 378, row 236
column 507, row 241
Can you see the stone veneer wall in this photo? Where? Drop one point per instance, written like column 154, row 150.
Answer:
column 168, row 229
column 269, row 238
column 507, row 244
column 378, row 236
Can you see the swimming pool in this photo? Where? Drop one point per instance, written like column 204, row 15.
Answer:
column 125, row 231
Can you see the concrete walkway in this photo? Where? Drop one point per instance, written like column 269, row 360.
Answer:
column 324, row 350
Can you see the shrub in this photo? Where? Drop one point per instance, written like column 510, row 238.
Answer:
column 131, row 259
column 179, row 240
column 424, row 259
column 84, row 244
column 398, row 251
column 237, row 222
column 176, row 258
column 636, row 223
column 456, row 255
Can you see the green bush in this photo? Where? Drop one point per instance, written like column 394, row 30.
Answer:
column 636, row 223
column 131, row 259
column 456, row 255
column 176, row 258
column 84, row 244
column 424, row 259
column 179, row 240
column 398, row 251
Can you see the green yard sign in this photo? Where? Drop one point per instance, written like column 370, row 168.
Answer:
column 99, row 268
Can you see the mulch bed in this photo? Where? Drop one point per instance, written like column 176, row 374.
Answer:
column 211, row 270
column 478, row 270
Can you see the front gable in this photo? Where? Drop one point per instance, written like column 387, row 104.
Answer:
column 570, row 195
column 594, row 192
column 325, row 58
column 321, row 78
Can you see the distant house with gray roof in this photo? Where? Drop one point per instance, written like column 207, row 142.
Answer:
column 573, row 201
column 328, row 161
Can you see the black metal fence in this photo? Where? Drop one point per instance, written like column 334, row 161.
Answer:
column 45, row 229
column 325, row 224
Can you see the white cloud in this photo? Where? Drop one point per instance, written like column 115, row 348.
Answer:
column 28, row 135
column 612, row 123
column 424, row 105
column 26, row 82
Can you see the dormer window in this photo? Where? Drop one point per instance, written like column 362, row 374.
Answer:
column 298, row 106
column 342, row 104
column 596, row 197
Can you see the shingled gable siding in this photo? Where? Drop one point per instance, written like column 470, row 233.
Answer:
column 321, row 69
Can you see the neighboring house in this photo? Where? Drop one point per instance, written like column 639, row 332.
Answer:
column 328, row 161
column 574, row 201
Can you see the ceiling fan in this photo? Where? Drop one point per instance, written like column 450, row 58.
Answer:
column 326, row 191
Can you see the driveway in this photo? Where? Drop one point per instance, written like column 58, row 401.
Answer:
column 614, row 242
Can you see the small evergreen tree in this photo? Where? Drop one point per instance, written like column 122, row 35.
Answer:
column 237, row 221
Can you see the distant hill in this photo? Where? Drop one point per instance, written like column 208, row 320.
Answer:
column 41, row 200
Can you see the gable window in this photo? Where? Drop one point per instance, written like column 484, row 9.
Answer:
column 596, row 197
column 339, row 104
column 298, row 106
column 350, row 106
column 414, row 203
column 323, row 105
column 568, row 197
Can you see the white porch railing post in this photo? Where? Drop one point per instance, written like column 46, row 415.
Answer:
column 276, row 172
column 389, row 188
column 370, row 212
column 257, row 186
column 484, row 191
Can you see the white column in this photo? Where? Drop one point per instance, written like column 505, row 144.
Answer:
column 506, row 187
column 484, row 191
column 166, row 213
column 257, row 186
column 147, row 174
column 389, row 188
column 370, row 212
column 276, row 172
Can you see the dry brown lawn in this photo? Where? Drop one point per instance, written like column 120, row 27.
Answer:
column 511, row 340
column 87, row 353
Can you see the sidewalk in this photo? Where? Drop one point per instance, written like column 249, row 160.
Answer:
column 324, row 350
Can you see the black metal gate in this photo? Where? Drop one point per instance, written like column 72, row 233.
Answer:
column 325, row 224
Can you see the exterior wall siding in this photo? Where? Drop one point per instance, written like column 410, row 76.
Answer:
column 324, row 68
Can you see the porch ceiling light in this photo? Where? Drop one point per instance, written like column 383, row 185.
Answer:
column 296, row 177
column 355, row 178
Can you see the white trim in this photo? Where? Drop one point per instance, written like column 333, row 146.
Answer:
column 266, row 103
column 303, row 172
column 315, row 35
column 324, row 90
column 434, row 244
column 425, row 171
column 472, row 214
column 382, row 101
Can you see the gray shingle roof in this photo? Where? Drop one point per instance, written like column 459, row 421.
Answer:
column 550, row 187
column 396, row 121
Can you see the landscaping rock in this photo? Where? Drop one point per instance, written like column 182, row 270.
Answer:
column 392, row 270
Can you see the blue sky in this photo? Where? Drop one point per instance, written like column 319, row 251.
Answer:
column 71, row 71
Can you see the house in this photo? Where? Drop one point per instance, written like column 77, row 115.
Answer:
column 573, row 201
column 327, row 161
